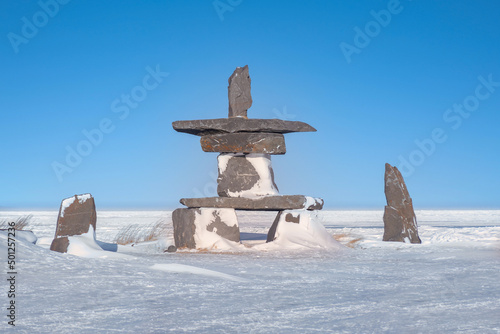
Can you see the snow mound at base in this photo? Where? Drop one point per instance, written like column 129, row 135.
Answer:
column 85, row 245
column 306, row 232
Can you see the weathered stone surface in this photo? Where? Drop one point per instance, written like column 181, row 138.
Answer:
column 171, row 249
column 245, row 175
column 244, row 142
column 204, row 228
column 271, row 234
column 240, row 98
column 76, row 216
column 184, row 228
column 400, row 222
column 203, row 127
column 288, row 217
column 301, row 227
column 60, row 245
column 266, row 203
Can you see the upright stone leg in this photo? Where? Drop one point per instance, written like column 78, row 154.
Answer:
column 204, row 228
column 272, row 230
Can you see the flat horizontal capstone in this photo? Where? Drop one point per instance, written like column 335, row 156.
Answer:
column 265, row 203
column 244, row 142
column 203, row 127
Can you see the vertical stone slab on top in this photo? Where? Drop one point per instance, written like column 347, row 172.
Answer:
column 205, row 228
column 400, row 222
column 77, row 215
column 240, row 98
column 245, row 175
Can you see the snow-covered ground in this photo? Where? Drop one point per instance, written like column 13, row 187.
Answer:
column 448, row 284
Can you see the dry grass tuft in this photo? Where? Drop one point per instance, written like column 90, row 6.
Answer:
column 135, row 233
column 347, row 239
column 21, row 222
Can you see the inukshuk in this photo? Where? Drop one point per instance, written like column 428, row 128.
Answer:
column 245, row 179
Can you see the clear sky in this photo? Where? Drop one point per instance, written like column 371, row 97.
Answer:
column 89, row 90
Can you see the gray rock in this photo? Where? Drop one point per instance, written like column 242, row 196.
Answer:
column 191, row 225
column 60, row 244
column 244, row 142
column 400, row 222
column 271, row 235
column 171, row 249
column 266, row 203
column 184, row 228
column 240, row 98
column 239, row 178
column 76, row 215
column 203, row 127
column 217, row 225
column 289, row 218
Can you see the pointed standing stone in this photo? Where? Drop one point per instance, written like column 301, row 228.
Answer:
column 240, row 99
column 400, row 222
column 77, row 216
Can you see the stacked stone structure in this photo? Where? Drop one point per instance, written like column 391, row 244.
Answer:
column 245, row 179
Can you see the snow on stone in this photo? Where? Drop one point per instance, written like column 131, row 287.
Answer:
column 210, row 239
column 265, row 186
column 84, row 197
column 308, row 233
column 28, row 236
column 262, row 164
column 85, row 245
column 68, row 201
column 312, row 201
column 223, row 160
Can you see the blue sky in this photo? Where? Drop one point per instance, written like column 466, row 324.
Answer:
column 412, row 83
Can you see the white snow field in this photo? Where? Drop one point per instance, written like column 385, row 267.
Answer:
column 448, row 284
